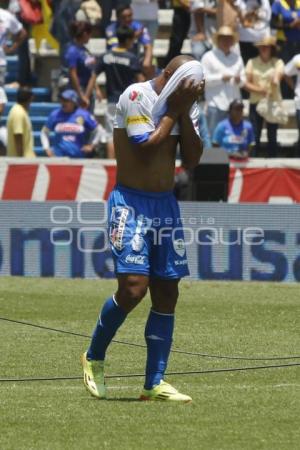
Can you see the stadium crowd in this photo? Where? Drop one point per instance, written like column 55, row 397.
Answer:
column 249, row 49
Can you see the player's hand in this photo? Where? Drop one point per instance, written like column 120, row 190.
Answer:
column 187, row 93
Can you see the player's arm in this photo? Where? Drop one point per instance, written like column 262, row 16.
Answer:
column 191, row 145
column 179, row 103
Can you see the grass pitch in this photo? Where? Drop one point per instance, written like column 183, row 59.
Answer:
column 256, row 409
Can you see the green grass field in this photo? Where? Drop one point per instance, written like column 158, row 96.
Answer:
column 255, row 409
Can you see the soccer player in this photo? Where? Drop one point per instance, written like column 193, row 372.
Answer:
column 145, row 234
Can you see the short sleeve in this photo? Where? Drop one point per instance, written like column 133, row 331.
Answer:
column 71, row 57
column 50, row 124
column 197, row 4
column 14, row 25
column 276, row 8
column 134, row 114
column 90, row 122
column 18, row 124
column 291, row 67
column 145, row 38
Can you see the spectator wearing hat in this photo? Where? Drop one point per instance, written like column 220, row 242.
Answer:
column 292, row 69
column 264, row 74
column 235, row 134
column 19, row 127
column 224, row 75
column 286, row 20
column 76, row 131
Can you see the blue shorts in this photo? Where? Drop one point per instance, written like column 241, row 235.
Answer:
column 145, row 233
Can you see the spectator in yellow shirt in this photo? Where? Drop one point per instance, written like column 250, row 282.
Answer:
column 19, row 127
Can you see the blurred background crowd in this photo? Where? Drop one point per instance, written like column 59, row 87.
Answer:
column 86, row 52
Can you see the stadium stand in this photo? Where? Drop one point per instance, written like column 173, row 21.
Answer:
column 42, row 105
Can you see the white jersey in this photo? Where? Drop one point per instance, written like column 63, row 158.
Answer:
column 134, row 112
column 8, row 25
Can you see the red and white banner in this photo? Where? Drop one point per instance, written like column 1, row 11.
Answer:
column 257, row 180
column 265, row 181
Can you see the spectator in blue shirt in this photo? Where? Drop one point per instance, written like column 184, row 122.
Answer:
column 142, row 37
column 76, row 131
column 286, row 18
column 235, row 135
column 79, row 64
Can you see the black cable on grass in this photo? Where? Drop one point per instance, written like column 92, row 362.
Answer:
column 183, row 352
column 136, row 375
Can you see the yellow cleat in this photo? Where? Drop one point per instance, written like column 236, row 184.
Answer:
column 93, row 377
column 164, row 392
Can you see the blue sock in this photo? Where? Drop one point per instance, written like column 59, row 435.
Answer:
column 158, row 335
column 111, row 318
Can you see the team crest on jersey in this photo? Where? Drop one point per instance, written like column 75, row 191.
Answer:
column 80, row 120
column 135, row 96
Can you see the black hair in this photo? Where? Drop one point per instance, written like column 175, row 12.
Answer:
column 124, row 33
column 122, row 8
column 236, row 103
column 78, row 28
column 24, row 94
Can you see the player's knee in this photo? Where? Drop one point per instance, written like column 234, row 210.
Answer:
column 130, row 293
column 164, row 299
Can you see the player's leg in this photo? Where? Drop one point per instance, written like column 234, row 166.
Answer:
column 131, row 290
column 159, row 329
column 159, row 336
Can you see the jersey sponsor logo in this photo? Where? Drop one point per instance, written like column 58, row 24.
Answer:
column 69, row 128
column 179, row 247
column 135, row 96
column 135, row 259
column 135, row 120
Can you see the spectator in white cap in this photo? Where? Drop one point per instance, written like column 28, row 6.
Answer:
column 224, row 75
